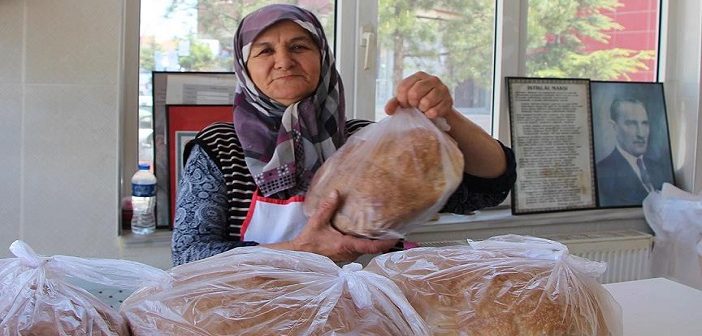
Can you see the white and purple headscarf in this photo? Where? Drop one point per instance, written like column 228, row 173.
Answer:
column 284, row 146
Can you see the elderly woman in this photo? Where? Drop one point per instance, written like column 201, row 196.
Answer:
column 244, row 182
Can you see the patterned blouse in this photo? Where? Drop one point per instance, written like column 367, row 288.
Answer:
column 204, row 217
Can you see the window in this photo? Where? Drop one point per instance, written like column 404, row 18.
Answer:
column 471, row 44
column 455, row 40
column 458, row 41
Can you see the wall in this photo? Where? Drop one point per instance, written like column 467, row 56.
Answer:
column 60, row 102
column 11, row 31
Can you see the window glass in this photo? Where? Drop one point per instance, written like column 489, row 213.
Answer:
column 600, row 40
column 453, row 40
column 196, row 35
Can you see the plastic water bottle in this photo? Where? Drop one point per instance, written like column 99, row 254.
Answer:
column 143, row 200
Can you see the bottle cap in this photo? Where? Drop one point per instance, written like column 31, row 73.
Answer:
column 144, row 166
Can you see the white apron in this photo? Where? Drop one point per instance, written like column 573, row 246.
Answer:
column 271, row 220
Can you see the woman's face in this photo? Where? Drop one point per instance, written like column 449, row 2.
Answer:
column 285, row 63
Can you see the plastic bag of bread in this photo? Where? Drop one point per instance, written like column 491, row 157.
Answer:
column 391, row 176
column 506, row 285
column 38, row 298
column 260, row 291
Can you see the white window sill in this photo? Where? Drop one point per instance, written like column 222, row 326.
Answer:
column 491, row 222
column 483, row 224
column 504, row 218
column 153, row 249
column 159, row 238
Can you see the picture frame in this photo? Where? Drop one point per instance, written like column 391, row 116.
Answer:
column 184, row 121
column 169, row 87
column 551, row 137
column 640, row 131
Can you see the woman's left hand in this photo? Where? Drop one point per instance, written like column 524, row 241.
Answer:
column 424, row 92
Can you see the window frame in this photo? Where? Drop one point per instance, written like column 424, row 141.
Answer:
column 352, row 16
column 129, row 93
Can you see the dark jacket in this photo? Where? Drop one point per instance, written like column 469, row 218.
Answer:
column 619, row 185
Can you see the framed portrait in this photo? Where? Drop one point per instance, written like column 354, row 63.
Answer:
column 632, row 142
column 183, row 123
column 552, row 141
column 194, row 88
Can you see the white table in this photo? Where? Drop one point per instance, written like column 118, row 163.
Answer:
column 658, row 307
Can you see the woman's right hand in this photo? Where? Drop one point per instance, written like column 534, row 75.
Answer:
column 318, row 236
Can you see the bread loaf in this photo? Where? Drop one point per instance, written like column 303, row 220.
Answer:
column 54, row 308
column 460, row 291
column 390, row 182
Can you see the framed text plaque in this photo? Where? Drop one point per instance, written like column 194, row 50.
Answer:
column 551, row 129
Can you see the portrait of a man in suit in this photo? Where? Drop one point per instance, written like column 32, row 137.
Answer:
column 628, row 174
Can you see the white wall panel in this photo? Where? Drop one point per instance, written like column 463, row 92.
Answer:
column 11, row 31
column 11, row 24
column 10, row 162
column 69, row 175
column 73, row 41
column 61, row 80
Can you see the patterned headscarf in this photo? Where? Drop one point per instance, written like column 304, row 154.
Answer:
column 284, row 146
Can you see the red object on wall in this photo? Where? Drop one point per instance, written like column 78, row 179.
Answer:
column 183, row 122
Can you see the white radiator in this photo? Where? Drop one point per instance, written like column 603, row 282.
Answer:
column 627, row 253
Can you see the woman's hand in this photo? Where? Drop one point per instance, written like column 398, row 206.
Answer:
column 318, row 236
column 424, row 92
column 483, row 155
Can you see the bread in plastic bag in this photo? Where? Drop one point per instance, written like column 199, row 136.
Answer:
column 506, row 285
column 392, row 176
column 676, row 217
column 260, row 291
column 38, row 298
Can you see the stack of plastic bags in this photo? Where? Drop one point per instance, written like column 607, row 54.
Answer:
column 676, row 218
column 37, row 296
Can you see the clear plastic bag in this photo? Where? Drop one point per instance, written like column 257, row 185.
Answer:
column 392, row 176
column 38, row 298
column 260, row 291
column 505, row 285
column 676, row 218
